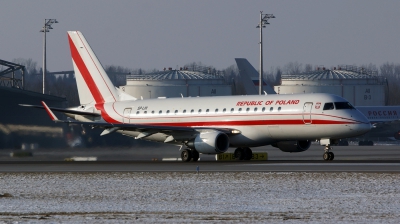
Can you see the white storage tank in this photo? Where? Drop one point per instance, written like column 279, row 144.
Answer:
column 361, row 87
column 177, row 83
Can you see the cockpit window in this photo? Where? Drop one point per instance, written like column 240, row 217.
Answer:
column 329, row 106
column 343, row 105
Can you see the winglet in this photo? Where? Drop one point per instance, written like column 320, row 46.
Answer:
column 49, row 112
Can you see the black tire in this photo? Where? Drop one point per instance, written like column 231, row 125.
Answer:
column 186, row 155
column 326, row 156
column 195, row 155
column 239, row 154
column 248, row 153
column 331, row 156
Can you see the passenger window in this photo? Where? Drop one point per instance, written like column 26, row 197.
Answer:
column 137, row 112
column 271, row 109
column 167, row 111
column 329, row 106
column 224, row 110
column 199, row 110
column 192, row 111
column 255, row 109
column 152, row 111
column 145, row 112
column 263, row 109
column 248, row 109
column 176, row 111
column 184, row 111
column 207, row 110
column 240, row 109
column 232, row 110
column 216, row 110
column 279, row 108
column 160, row 112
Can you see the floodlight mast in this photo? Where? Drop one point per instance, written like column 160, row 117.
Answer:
column 263, row 21
column 46, row 28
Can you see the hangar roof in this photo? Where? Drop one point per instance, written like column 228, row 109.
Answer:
column 176, row 74
column 340, row 72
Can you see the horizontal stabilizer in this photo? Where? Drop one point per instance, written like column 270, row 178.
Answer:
column 63, row 110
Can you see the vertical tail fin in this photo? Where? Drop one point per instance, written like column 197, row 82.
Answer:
column 250, row 78
column 94, row 86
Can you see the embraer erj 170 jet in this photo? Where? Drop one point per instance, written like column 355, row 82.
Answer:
column 208, row 125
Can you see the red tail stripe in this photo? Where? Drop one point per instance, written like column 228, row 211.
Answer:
column 100, row 74
column 85, row 72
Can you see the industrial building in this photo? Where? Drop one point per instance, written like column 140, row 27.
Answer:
column 177, row 83
column 361, row 87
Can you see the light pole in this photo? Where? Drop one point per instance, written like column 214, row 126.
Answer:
column 46, row 28
column 263, row 21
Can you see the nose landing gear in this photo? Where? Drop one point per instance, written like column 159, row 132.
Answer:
column 328, row 155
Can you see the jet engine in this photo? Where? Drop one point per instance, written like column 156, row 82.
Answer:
column 210, row 142
column 293, row 146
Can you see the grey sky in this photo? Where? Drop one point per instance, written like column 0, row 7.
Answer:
column 155, row 34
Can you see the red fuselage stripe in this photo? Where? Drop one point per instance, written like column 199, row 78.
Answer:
column 247, row 123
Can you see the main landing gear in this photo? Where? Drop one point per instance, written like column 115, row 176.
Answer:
column 328, row 155
column 243, row 153
column 189, row 154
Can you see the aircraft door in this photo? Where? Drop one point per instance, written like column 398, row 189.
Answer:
column 127, row 115
column 307, row 112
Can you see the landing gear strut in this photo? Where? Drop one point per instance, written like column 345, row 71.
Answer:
column 244, row 153
column 328, row 155
column 189, row 154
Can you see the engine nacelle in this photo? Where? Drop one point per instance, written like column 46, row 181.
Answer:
column 210, row 142
column 293, row 146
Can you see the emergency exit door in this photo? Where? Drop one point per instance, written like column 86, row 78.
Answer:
column 307, row 113
column 127, row 115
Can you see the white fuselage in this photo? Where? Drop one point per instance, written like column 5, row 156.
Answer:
column 261, row 120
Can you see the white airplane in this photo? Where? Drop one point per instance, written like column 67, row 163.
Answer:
column 208, row 125
column 385, row 120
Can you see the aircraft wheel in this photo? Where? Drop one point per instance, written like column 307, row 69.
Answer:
column 195, row 155
column 248, row 153
column 186, row 155
column 239, row 154
column 331, row 155
column 326, row 156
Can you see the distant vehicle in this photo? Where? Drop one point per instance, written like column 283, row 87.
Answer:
column 208, row 125
column 384, row 119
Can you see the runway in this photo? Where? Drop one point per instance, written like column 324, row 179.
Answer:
column 267, row 166
column 381, row 158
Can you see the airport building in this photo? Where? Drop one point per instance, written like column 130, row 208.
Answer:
column 361, row 87
column 177, row 83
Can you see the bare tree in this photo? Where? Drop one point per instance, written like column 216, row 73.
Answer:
column 293, row 68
